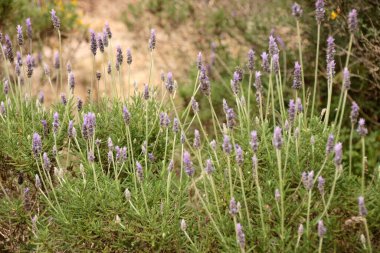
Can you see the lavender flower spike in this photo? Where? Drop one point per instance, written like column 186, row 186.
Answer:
column 56, row 60
column 292, row 111
column 126, row 115
column 319, row 11
column 265, row 62
column 119, row 55
column 300, row 230
column 71, row 132
column 194, row 105
column 273, row 48
column 251, row 60
column 46, row 161
column 209, row 167
column 29, row 66
column 233, row 207
column 139, row 171
column 235, row 83
column 362, row 209
column 258, row 84
column 254, row 141
column 321, row 185
column 55, row 19
column 152, row 40
column 321, row 229
column 230, row 115
column 55, row 122
column 354, row 113
column 71, row 81
column 20, row 37
column 277, row 195
column 353, row 21
column 240, row 235
column 338, row 154
column 346, row 79
column 297, row 83
column 277, row 138
column 146, row 92
column 129, row 56
column 93, row 44
column 108, row 30
column 204, row 82
column 189, row 169
column 100, row 42
column 330, row 51
column 8, row 49
column 199, row 61
column 29, row 31
column 36, row 145
column 362, row 130
column 239, row 155
column 297, row 10
column 227, row 144
column 170, row 83
column 330, row 144
column 197, row 139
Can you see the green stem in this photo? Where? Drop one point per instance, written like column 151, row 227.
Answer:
column 316, row 70
column 363, row 166
column 350, row 153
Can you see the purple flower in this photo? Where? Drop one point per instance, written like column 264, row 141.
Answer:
column 164, row 120
column 362, row 130
column 308, row 179
column 45, row 129
column 109, row 157
column 93, row 44
column 68, row 68
column 119, row 55
column 330, row 51
column 126, row 115
column 36, row 145
column 98, row 75
column 194, row 105
column 230, row 115
column 175, row 125
column 319, row 11
column 291, row 111
column 321, row 185
column 8, row 49
column 110, row 144
column 362, row 209
column 183, row 138
column 108, row 30
column 129, row 56
column 265, row 62
column 354, row 113
column 338, row 154
column 254, row 141
column 240, row 235
column 88, row 127
column 321, row 229
column 330, row 144
column 37, row 183
column 299, row 105
column 204, row 82
column 56, row 60
column 170, row 83
column 6, row 87
column 79, row 104
column 71, row 81
column 46, row 161
column 3, row 111
column 209, row 169
column 121, row 154
column 331, row 71
column 17, row 69
column 197, row 139
column 105, row 37
column 199, row 61
column 139, row 171
column 239, row 155
column 189, row 169
column 346, row 79
column 277, row 138
column 100, row 42
column 71, row 130
column 227, row 144
column 258, row 84
column 29, row 31
column 353, row 21
column 233, row 207
column 297, row 10
column 273, row 48
column 297, row 82
column 20, row 37
column 63, row 99
column 18, row 58
column 109, row 68
column 276, row 63
column 29, row 66
column 90, row 156
column 55, row 19
column 235, row 83
column 146, row 92
column 251, row 60
column 152, row 40
column 55, row 122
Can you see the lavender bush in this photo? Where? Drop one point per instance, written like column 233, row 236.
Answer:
column 115, row 172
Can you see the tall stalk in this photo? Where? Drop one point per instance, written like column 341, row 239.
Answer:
column 316, row 70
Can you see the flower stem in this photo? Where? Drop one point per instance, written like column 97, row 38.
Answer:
column 316, row 70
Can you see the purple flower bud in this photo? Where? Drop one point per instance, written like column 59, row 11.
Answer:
column 209, row 169
column 362, row 209
column 109, row 157
column 17, row 69
column 227, row 144
column 199, row 61
column 55, row 19
column 56, row 60
column 6, row 87
column 330, row 144
column 331, row 71
column 330, row 51
column 55, row 122
column 46, row 161
column 100, row 42
column 98, row 75
column 37, row 182
column 258, row 84
column 126, row 115
column 108, row 30
column 71, row 81
column 194, row 105
column 354, row 113
column 175, row 125
column 36, row 145
column 204, row 82
column 276, row 64
column 273, row 48
column 225, row 106
column 110, row 144
column 189, row 169
column 346, row 79
column 129, row 56
column 277, row 138
column 121, row 154
column 291, row 111
column 230, row 115
column 8, row 49
column 109, row 68
column 45, row 129
column 265, row 62
column 321, row 185
column 308, row 180
column 79, row 104
column 319, row 11
column 338, row 154
column 197, row 139
column 20, row 37
column 18, row 58
column 239, row 155
column 362, row 130
column 1, row 38
column 277, row 195
column 170, row 83
column 119, row 55
column 297, row 82
column 321, row 229
column 93, row 44
column 240, row 235
column 251, row 60
column 90, row 156
column 3, row 111
column 104, row 38
column 63, row 99
column 353, row 21
column 70, row 130
column 183, row 138
column 299, row 105
column 29, row 66
column 297, row 10
column 233, row 207
column 152, row 40
column 89, row 123
column 139, row 171
column 235, row 83
column 164, row 120
column 254, row 141
column 300, row 230
column 29, row 31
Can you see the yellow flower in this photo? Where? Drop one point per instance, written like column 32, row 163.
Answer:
column 333, row 15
